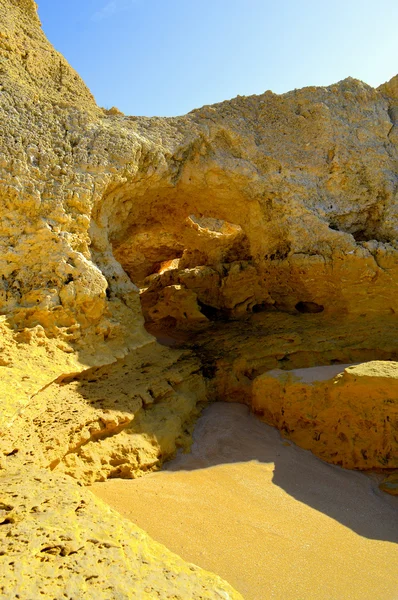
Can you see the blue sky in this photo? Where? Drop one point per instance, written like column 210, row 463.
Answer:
column 167, row 57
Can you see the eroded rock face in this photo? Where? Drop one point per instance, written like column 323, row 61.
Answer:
column 286, row 204
column 271, row 363
column 57, row 540
column 347, row 416
column 119, row 420
column 305, row 184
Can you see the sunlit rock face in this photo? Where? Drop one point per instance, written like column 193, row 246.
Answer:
column 58, row 540
column 306, row 181
column 251, row 232
column 346, row 415
column 266, row 201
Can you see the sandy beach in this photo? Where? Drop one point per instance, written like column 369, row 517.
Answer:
column 270, row 518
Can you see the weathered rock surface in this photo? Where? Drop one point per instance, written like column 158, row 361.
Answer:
column 234, row 354
column 269, row 200
column 193, row 224
column 345, row 414
column 272, row 364
column 121, row 420
column 58, row 541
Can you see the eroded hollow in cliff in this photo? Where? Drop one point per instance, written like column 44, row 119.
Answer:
column 190, row 255
column 211, row 262
column 206, row 274
column 206, row 251
column 309, row 307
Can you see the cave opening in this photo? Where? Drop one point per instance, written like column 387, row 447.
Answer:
column 309, row 307
column 214, row 287
column 189, row 252
column 200, row 271
column 207, row 262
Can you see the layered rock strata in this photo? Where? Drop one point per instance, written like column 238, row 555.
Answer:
column 347, row 417
column 120, row 420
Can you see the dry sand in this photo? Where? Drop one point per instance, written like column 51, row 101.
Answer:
column 270, row 518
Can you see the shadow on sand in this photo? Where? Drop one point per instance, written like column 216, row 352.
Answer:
column 229, row 433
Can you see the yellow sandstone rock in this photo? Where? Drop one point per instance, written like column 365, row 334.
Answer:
column 289, row 200
column 120, row 420
column 347, row 415
column 58, row 540
column 259, row 233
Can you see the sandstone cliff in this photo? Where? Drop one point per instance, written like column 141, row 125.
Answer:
column 285, row 201
column 278, row 209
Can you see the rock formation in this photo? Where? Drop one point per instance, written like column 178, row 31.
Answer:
column 351, row 413
column 59, row 541
column 256, row 234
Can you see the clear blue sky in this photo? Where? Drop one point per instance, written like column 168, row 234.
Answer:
column 166, row 57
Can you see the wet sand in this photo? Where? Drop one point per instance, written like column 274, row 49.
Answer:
column 270, row 518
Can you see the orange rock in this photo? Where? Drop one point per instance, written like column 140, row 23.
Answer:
column 347, row 415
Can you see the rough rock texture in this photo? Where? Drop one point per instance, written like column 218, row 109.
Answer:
column 268, row 200
column 236, row 353
column 344, row 419
column 87, row 550
column 347, row 416
column 121, row 420
column 286, row 204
